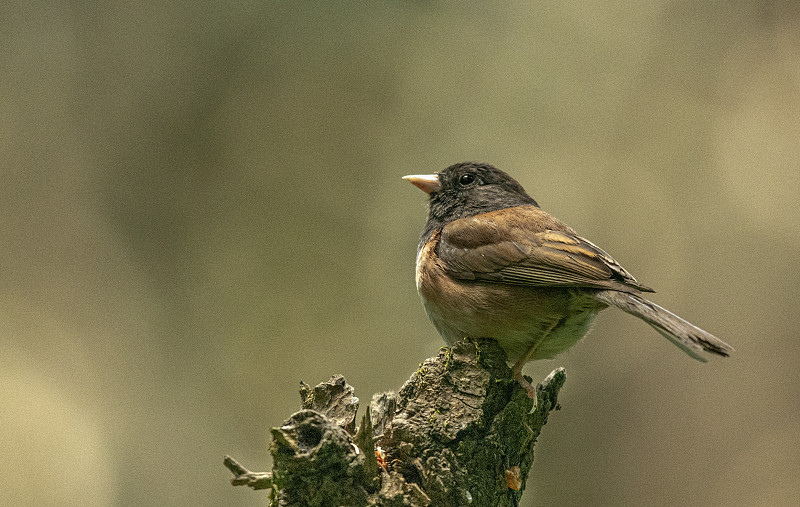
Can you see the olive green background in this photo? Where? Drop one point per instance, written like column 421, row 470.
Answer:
column 201, row 204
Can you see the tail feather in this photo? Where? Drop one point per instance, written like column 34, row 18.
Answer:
column 688, row 337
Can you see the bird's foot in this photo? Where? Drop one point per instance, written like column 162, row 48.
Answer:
column 529, row 388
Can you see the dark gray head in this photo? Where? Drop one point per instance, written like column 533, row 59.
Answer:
column 468, row 189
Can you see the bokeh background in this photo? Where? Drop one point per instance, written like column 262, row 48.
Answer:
column 201, row 205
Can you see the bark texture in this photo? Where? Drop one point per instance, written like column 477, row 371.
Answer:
column 460, row 431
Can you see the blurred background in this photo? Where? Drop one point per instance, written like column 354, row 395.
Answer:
column 201, row 205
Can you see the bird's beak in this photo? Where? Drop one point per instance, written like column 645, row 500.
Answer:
column 428, row 183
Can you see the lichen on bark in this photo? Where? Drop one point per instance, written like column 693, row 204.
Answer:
column 460, row 431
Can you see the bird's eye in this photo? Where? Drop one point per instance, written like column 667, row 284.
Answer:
column 466, row 179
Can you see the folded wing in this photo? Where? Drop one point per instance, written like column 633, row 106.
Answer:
column 527, row 246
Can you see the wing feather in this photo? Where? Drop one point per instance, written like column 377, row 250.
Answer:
column 527, row 246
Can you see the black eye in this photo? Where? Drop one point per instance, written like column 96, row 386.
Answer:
column 466, row 179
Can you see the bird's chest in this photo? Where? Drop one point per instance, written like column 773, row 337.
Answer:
column 429, row 269
column 443, row 297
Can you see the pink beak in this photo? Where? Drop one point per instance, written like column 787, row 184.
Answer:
column 428, row 183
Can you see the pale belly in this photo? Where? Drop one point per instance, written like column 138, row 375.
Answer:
column 554, row 335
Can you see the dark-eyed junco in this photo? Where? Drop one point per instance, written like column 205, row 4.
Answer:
column 492, row 264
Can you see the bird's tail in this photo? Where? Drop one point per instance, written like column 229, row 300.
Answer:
column 690, row 338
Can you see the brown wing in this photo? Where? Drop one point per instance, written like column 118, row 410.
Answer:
column 527, row 246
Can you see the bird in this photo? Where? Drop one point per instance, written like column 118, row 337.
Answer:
column 492, row 264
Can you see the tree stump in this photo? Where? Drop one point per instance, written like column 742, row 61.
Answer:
column 460, row 431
